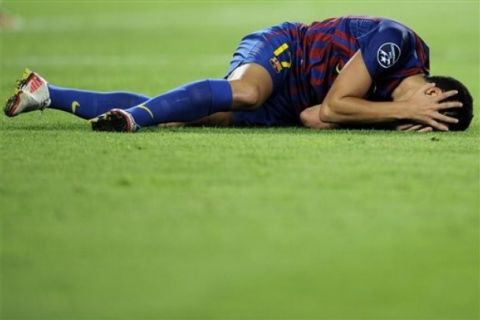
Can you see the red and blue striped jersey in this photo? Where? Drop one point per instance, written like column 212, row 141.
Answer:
column 391, row 52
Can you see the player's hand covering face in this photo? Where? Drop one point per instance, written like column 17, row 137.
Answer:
column 426, row 103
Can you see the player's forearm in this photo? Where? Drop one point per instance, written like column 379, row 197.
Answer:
column 357, row 110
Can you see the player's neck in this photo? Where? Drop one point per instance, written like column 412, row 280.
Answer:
column 407, row 87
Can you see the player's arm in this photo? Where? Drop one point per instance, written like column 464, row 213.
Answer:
column 309, row 118
column 345, row 102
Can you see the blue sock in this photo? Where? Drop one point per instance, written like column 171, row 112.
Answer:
column 183, row 104
column 90, row 104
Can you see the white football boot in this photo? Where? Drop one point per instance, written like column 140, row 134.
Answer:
column 31, row 94
column 115, row 120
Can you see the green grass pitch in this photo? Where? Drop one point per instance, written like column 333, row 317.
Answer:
column 206, row 223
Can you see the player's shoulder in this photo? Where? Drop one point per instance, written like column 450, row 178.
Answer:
column 391, row 46
column 388, row 25
column 392, row 31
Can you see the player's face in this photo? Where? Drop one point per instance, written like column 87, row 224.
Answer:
column 410, row 85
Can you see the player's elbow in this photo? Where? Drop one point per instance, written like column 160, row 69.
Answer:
column 334, row 110
column 304, row 119
column 326, row 113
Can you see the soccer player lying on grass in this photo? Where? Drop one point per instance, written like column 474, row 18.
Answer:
column 339, row 72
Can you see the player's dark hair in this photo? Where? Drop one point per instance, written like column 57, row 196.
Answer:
column 463, row 114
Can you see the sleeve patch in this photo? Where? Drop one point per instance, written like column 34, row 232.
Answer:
column 388, row 54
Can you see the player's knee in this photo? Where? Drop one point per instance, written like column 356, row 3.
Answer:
column 246, row 95
column 250, row 98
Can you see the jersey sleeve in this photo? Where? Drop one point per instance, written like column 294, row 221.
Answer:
column 391, row 49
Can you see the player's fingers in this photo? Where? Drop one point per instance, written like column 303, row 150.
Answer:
column 415, row 127
column 446, row 94
column 404, row 127
column 449, row 104
column 444, row 118
column 426, row 129
column 436, row 125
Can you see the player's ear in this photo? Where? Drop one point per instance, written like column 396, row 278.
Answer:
column 434, row 91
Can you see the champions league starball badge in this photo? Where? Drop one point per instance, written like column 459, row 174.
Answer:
column 388, row 54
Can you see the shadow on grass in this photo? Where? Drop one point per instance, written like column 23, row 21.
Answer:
column 347, row 132
column 260, row 130
column 45, row 127
column 85, row 127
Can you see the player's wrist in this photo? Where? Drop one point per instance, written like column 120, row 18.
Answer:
column 402, row 111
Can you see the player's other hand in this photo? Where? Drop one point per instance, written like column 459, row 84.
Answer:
column 409, row 127
column 425, row 109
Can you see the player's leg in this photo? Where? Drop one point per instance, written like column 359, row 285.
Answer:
column 251, row 86
column 35, row 93
column 247, row 87
column 260, row 66
column 90, row 104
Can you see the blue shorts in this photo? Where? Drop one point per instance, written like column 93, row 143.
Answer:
column 272, row 48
